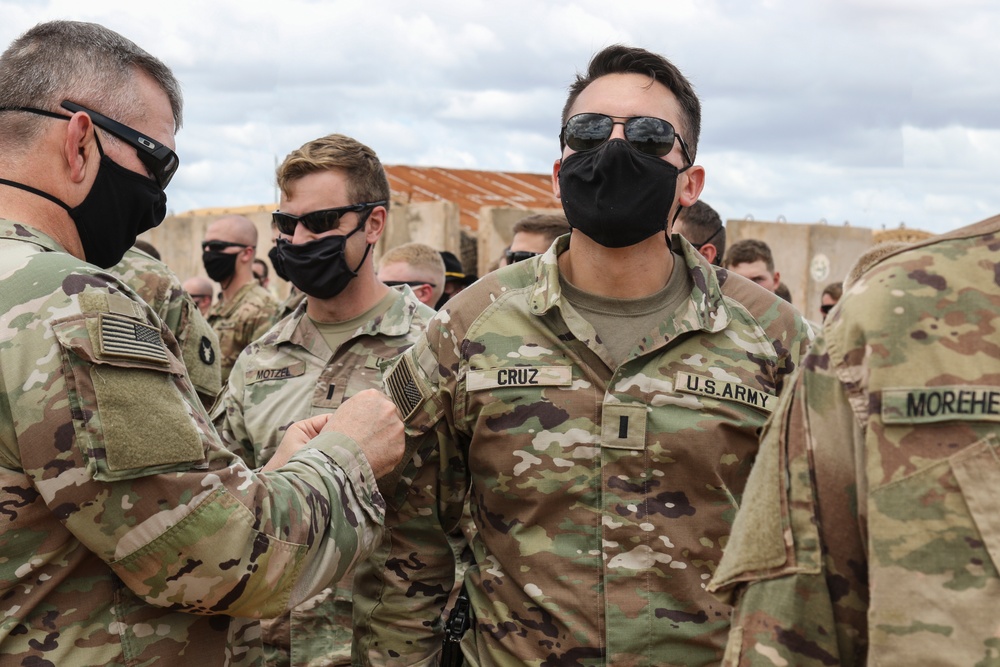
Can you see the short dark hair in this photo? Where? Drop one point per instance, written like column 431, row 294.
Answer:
column 747, row 251
column 148, row 248
column 621, row 59
column 703, row 224
column 834, row 291
column 549, row 225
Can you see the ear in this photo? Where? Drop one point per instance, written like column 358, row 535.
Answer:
column 375, row 224
column 709, row 252
column 423, row 293
column 555, row 178
column 777, row 278
column 692, row 184
column 80, row 148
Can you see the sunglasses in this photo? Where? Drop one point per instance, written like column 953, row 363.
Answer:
column 411, row 283
column 318, row 222
column 515, row 256
column 648, row 135
column 219, row 246
column 161, row 162
column 826, row 308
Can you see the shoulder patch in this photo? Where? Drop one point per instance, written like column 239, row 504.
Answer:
column 403, row 388
column 691, row 383
column 121, row 337
column 206, row 351
column 279, row 373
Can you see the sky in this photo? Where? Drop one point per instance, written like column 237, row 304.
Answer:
column 872, row 112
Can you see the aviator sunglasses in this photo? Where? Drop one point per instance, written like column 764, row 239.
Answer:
column 648, row 135
column 159, row 159
column 318, row 222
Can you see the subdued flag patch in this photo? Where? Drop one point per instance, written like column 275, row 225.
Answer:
column 122, row 337
column 403, row 389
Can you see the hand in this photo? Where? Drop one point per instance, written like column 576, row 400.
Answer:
column 296, row 437
column 372, row 421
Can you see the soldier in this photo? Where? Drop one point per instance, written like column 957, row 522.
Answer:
column 600, row 405
column 702, row 226
column 533, row 235
column 126, row 524
column 752, row 259
column 245, row 310
column 416, row 265
column 869, row 530
column 159, row 287
column 200, row 291
column 334, row 206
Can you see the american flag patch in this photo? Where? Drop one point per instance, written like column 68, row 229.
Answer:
column 403, row 389
column 122, row 337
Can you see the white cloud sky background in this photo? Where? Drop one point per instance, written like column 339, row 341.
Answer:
column 871, row 111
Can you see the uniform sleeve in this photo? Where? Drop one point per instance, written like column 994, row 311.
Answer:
column 401, row 591
column 228, row 417
column 118, row 447
column 199, row 350
column 794, row 563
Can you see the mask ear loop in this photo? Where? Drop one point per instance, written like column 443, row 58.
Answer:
column 368, row 246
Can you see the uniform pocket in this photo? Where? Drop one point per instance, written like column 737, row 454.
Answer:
column 127, row 401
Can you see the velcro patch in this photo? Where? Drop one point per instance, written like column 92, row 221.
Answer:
column 520, row 376
column 403, row 389
column 690, row 383
column 623, row 426
column 922, row 405
column 281, row 373
column 122, row 337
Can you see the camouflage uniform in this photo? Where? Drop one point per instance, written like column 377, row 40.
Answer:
column 242, row 320
column 125, row 523
column 161, row 289
column 871, row 524
column 286, row 376
column 603, row 495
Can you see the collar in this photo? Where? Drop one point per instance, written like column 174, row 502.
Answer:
column 19, row 231
column 705, row 310
column 299, row 330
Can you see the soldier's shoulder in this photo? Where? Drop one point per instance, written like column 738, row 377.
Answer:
column 507, row 287
column 758, row 304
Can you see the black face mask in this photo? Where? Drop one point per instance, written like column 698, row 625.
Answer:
column 319, row 268
column 616, row 195
column 120, row 205
column 220, row 266
column 279, row 268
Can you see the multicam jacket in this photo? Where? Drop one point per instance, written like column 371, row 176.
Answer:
column 241, row 321
column 287, row 375
column 126, row 529
column 602, row 495
column 870, row 532
column 159, row 287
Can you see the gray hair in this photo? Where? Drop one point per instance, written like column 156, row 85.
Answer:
column 82, row 62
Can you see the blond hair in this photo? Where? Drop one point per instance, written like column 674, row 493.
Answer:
column 366, row 179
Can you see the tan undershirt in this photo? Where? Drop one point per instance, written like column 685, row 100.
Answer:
column 337, row 333
column 622, row 323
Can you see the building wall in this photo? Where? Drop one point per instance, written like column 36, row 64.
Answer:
column 808, row 257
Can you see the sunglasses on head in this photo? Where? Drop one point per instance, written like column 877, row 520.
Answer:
column 515, row 256
column 826, row 308
column 648, row 135
column 318, row 222
column 411, row 283
column 219, row 246
column 161, row 162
